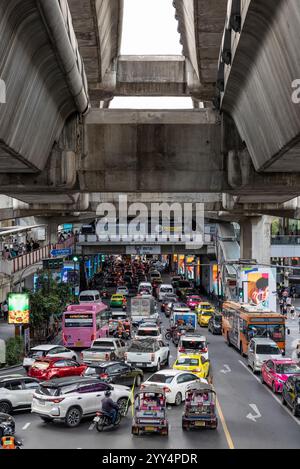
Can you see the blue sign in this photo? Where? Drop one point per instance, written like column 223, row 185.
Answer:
column 61, row 252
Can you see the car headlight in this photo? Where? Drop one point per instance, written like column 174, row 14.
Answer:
column 298, row 400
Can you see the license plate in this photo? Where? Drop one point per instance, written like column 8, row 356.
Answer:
column 149, row 429
column 200, row 424
column 139, row 364
column 41, row 402
column 78, row 344
column 96, row 419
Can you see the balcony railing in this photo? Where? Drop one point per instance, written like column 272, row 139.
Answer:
column 16, row 264
column 285, row 240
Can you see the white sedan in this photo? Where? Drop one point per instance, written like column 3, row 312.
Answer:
column 41, row 351
column 122, row 291
column 174, row 383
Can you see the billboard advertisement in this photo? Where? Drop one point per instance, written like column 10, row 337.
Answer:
column 18, row 308
column 259, row 287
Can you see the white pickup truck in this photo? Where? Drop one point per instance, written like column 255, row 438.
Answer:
column 104, row 349
column 147, row 353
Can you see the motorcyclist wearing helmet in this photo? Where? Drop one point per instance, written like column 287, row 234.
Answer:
column 110, row 407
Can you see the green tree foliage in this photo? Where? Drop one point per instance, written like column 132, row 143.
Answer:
column 48, row 301
column 14, row 350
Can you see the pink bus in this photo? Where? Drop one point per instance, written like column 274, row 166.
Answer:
column 84, row 323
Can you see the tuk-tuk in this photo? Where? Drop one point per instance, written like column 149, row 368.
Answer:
column 150, row 414
column 200, row 407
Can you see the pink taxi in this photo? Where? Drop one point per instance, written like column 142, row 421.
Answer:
column 276, row 372
column 193, row 301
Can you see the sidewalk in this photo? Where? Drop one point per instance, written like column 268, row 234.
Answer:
column 6, row 330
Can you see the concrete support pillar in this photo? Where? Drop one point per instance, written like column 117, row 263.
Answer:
column 52, row 232
column 256, row 239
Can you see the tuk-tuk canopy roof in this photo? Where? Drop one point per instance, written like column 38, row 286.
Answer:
column 200, row 387
column 152, row 389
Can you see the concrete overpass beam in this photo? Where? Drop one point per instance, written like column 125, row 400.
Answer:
column 255, row 241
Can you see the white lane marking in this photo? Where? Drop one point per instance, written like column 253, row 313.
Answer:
column 257, row 414
column 26, row 426
column 272, row 394
column 92, row 426
column 226, row 369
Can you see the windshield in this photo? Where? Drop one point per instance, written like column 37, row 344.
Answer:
column 183, row 284
column 102, row 344
column 193, row 344
column 218, row 319
column 275, row 332
column 87, row 298
column 78, row 320
column 91, row 371
column 166, row 289
column 206, row 313
column 148, row 332
column 36, row 353
column 41, row 365
column 267, row 349
column 287, row 368
column 188, row 361
column 205, row 307
column 160, row 378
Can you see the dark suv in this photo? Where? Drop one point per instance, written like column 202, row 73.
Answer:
column 291, row 394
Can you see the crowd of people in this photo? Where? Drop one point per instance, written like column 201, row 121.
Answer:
column 286, row 297
column 17, row 248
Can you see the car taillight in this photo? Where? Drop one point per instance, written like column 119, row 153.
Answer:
column 181, row 349
column 197, row 370
column 64, row 338
column 57, row 401
column 104, row 376
column 81, row 355
column 204, row 350
column 93, row 337
column 125, row 355
column 166, row 389
column 152, row 357
column 107, row 356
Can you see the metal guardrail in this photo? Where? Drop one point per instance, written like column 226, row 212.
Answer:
column 285, row 240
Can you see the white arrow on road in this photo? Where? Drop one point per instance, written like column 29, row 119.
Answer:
column 257, row 414
column 226, row 370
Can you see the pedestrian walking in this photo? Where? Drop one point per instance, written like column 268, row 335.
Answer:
column 5, row 310
column 281, row 303
column 292, row 312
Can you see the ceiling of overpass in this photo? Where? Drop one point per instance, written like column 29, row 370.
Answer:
column 147, row 102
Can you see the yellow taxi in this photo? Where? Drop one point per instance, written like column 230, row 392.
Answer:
column 205, row 312
column 196, row 364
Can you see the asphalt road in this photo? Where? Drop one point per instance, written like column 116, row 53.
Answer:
column 250, row 416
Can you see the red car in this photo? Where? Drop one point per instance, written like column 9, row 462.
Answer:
column 49, row 368
column 193, row 301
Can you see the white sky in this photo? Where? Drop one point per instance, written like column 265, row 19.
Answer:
column 150, row 28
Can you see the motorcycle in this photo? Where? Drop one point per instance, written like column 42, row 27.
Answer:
column 103, row 420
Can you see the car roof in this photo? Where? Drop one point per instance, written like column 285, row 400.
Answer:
column 50, row 359
column 60, row 382
column 104, row 364
column 263, row 341
column 283, row 361
column 89, row 292
column 105, row 339
column 168, row 371
column 193, row 337
column 45, row 347
column 11, row 377
column 188, row 355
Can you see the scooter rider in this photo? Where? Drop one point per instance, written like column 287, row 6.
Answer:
column 110, row 407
